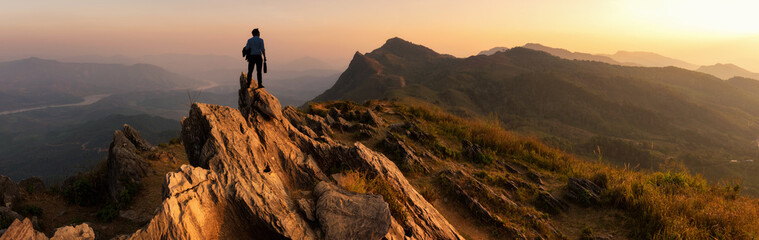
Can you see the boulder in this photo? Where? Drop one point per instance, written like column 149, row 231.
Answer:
column 80, row 232
column 9, row 193
column 32, row 185
column 347, row 215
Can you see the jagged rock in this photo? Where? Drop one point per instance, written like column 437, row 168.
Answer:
column 346, row 215
column 81, row 232
column 343, row 124
column 192, row 208
column 264, row 103
column 474, row 152
column 550, row 204
column 32, row 185
column 371, row 118
column 399, row 151
column 467, row 187
column 335, row 113
column 583, row 191
column 124, row 166
column 250, row 166
column 412, row 130
column 134, row 136
column 9, row 192
column 533, row 176
column 481, row 200
column 22, row 230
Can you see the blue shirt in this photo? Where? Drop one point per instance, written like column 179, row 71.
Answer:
column 255, row 45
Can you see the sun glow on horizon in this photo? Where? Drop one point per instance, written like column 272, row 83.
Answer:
column 717, row 19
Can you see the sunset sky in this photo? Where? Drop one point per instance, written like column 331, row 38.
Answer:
column 701, row 32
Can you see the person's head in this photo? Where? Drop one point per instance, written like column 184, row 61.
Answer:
column 255, row 32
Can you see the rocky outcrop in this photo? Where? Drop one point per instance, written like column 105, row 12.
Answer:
column 346, row 215
column 134, row 136
column 125, row 168
column 81, row 232
column 32, row 185
column 550, row 204
column 24, row 230
column 404, row 155
column 583, row 191
column 9, row 193
column 253, row 177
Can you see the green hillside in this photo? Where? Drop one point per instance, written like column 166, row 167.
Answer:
column 637, row 116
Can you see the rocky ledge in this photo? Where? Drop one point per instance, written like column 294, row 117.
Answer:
column 261, row 172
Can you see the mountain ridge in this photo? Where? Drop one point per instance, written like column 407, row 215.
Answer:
column 580, row 102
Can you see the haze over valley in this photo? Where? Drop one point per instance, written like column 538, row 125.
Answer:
column 630, row 119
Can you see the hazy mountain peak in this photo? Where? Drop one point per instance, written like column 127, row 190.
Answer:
column 400, row 47
column 649, row 59
column 566, row 54
column 493, row 51
column 727, row 70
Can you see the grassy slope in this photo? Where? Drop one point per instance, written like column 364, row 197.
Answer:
column 672, row 204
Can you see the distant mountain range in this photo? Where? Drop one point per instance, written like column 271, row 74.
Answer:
column 643, row 59
column 636, row 115
column 33, row 82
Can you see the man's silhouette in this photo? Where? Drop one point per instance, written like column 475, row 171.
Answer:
column 253, row 52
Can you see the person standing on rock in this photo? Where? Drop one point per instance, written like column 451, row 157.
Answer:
column 255, row 55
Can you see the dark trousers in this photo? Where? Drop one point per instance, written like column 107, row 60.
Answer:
column 255, row 61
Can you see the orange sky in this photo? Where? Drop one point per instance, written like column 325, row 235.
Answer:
column 701, row 32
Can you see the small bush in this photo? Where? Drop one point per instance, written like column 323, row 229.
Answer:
column 108, row 213
column 354, row 181
column 126, row 196
column 174, row 141
column 82, row 193
column 6, row 221
column 29, row 210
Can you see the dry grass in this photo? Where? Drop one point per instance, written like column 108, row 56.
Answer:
column 664, row 205
column 354, row 181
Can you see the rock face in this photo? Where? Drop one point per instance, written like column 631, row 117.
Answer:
column 136, row 139
column 253, row 174
column 346, row 215
column 125, row 167
column 9, row 193
column 24, row 230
